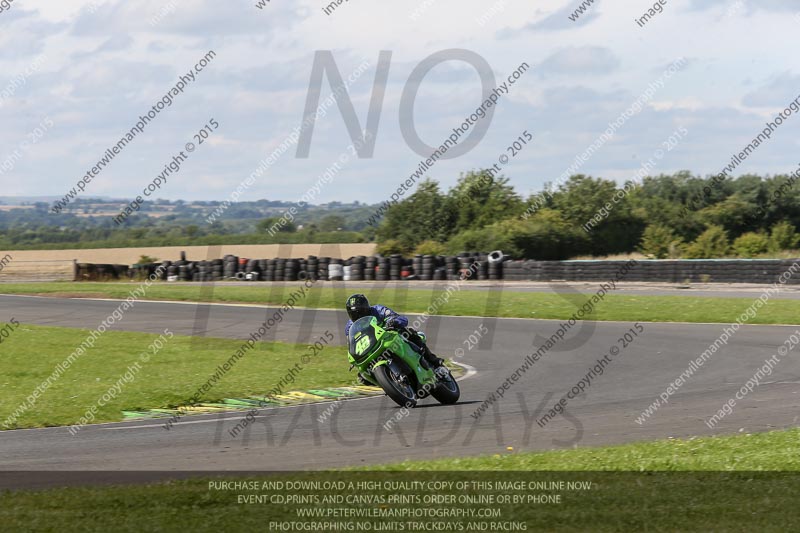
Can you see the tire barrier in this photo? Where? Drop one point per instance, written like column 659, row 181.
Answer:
column 468, row 266
column 764, row 271
column 335, row 272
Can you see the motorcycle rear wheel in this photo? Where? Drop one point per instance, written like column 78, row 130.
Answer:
column 447, row 390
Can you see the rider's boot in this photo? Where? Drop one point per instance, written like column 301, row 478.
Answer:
column 432, row 360
column 419, row 342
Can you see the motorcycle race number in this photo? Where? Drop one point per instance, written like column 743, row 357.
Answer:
column 362, row 345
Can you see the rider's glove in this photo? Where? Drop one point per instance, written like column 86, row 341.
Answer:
column 390, row 324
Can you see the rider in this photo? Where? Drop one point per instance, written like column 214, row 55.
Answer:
column 358, row 306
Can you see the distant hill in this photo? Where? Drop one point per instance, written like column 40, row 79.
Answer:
column 19, row 200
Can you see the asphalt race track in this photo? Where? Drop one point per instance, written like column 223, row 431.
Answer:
column 293, row 439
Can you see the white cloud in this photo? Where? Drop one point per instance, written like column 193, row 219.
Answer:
column 105, row 68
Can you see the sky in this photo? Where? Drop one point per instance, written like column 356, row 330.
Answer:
column 76, row 76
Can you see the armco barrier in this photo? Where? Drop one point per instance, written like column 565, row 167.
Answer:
column 672, row 271
column 472, row 266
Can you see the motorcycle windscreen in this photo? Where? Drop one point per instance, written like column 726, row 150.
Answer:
column 362, row 338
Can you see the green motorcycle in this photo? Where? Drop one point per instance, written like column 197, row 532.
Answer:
column 385, row 359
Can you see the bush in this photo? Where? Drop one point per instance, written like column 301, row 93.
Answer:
column 477, row 240
column 145, row 259
column 392, row 246
column 660, row 242
column 544, row 236
column 710, row 244
column 783, row 236
column 751, row 244
column 430, row 248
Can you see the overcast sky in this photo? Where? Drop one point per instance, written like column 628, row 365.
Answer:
column 92, row 72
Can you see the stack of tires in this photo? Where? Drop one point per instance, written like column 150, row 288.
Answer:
column 406, row 269
column 280, row 269
column 468, row 265
column 185, row 270
column 384, row 266
column 357, row 267
column 172, row 272
column 482, row 262
column 269, row 270
column 165, row 270
column 253, row 269
column 215, row 269
column 416, row 263
column 451, row 266
column 201, row 271
column 425, row 267
column 336, row 270
column 440, row 272
column 312, row 264
column 322, row 268
column 370, row 265
column 230, row 264
column 290, row 270
column 395, row 266
column 495, row 260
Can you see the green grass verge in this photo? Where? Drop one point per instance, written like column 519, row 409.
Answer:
column 622, row 500
column 168, row 379
column 771, row 451
column 461, row 303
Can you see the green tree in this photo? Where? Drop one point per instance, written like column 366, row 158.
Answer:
column 710, row 244
column 264, row 225
column 660, row 242
column 545, row 235
column 430, row 248
column 479, row 199
column 614, row 227
column 422, row 216
column 783, row 236
column 332, row 223
column 733, row 213
column 392, row 246
column 751, row 244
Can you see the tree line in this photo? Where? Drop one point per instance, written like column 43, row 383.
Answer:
column 665, row 216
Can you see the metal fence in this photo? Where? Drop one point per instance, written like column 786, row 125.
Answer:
column 12, row 270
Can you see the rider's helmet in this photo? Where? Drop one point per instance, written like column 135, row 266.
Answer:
column 357, row 306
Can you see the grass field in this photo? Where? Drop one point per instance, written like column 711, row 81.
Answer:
column 461, row 303
column 683, row 490
column 171, row 376
column 771, row 451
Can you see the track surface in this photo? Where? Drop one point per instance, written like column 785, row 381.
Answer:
column 292, row 438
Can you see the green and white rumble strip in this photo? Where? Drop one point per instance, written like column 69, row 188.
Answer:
column 290, row 398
